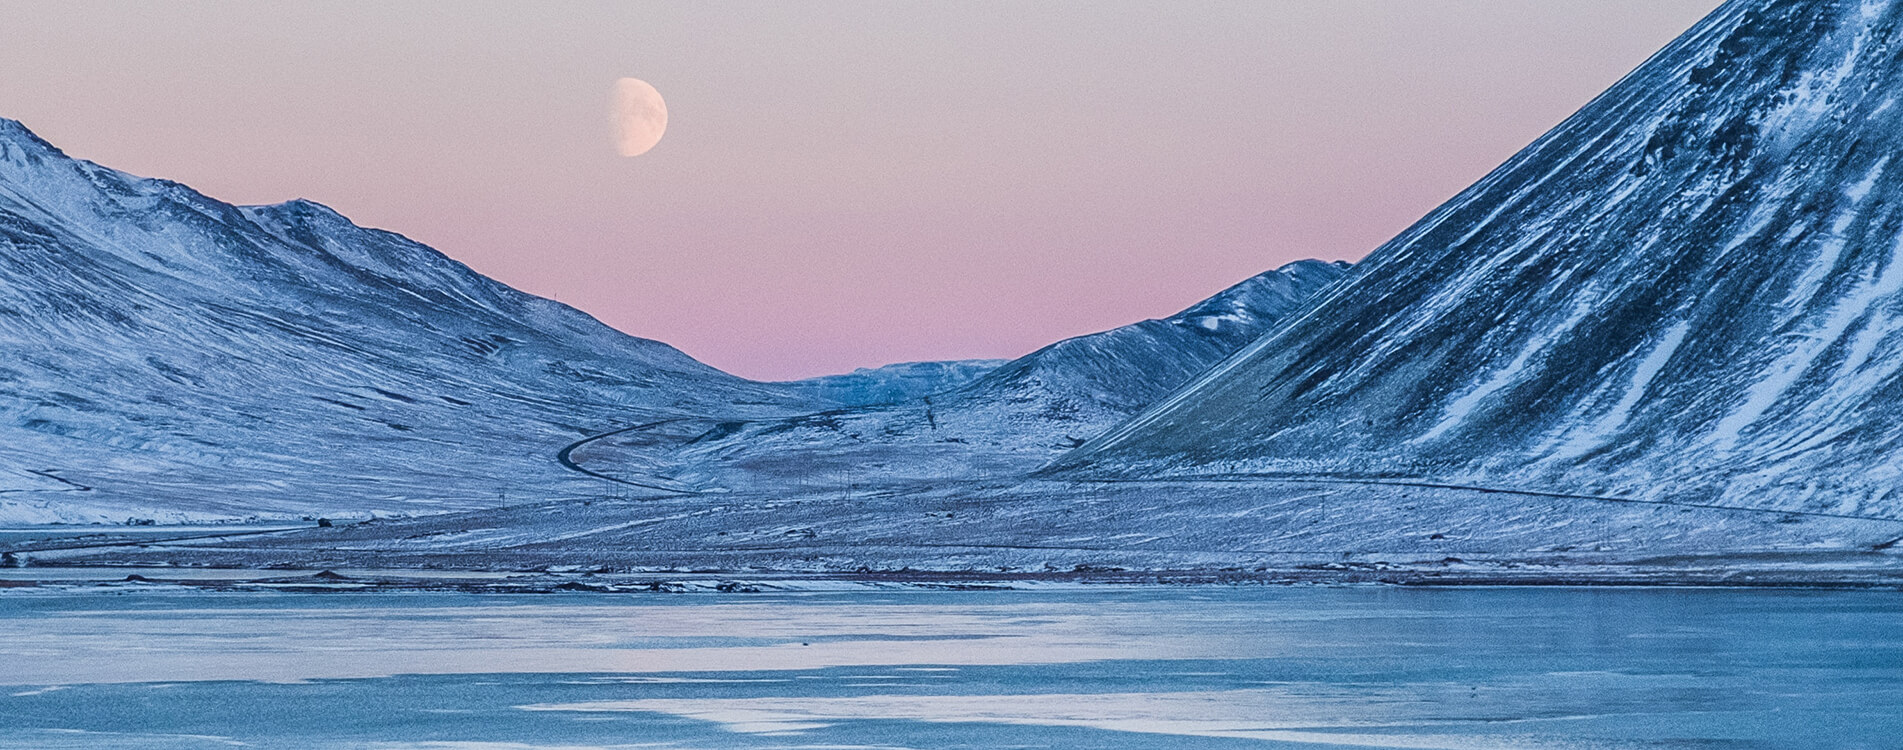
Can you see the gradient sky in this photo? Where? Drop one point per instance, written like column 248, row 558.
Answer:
column 842, row 184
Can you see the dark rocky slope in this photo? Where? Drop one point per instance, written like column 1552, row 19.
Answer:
column 1690, row 290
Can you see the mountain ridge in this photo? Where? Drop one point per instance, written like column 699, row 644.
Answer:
column 187, row 359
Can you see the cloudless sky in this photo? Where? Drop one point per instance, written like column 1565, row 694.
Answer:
column 842, row 184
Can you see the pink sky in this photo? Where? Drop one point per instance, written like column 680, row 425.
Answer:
column 842, row 184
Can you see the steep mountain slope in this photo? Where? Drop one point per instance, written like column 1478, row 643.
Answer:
column 1008, row 422
column 1690, row 290
column 167, row 356
column 895, row 383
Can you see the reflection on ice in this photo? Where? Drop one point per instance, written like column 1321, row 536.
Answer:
column 465, row 635
column 1278, row 715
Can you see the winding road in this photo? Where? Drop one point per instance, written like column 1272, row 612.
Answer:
column 567, row 456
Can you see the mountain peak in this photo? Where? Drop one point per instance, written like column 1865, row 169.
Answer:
column 302, row 205
column 16, row 139
column 1278, row 290
column 11, row 128
column 301, row 212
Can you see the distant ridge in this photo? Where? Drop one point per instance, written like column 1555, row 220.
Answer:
column 1009, row 421
column 1120, row 371
column 895, row 383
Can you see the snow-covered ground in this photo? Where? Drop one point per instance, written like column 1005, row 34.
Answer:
column 1247, row 529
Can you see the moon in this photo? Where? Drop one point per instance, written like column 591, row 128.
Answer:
column 640, row 116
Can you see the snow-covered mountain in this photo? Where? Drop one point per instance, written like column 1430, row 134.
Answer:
column 1662, row 345
column 895, row 383
column 1008, row 422
column 1690, row 290
column 1104, row 377
column 171, row 357
column 164, row 355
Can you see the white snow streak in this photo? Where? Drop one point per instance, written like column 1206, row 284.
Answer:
column 1786, row 372
column 1464, row 406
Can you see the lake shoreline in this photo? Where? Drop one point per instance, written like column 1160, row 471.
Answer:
column 343, row 579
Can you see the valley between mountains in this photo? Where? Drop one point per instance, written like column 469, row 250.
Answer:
column 1661, row 345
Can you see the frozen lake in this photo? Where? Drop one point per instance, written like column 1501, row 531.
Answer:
column 159, row 667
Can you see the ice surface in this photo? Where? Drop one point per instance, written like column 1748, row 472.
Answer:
column 1114, row 668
